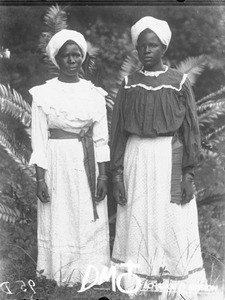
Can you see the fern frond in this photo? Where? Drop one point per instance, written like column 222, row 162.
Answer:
column 17, row 151
column 211, row 104
column 212, row 97
column 218, row 133
column 55, row 19
column 88, row 70
column 13, row 104
column 92, row 50
column 8, row 214
column 210, row 116
column 193, row 67
column 211, row 199
column 130, row 65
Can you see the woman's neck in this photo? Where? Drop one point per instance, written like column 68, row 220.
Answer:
column 155, row 68
column 68, row 79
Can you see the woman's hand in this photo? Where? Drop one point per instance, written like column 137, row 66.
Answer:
column 187, row 191
column 119, row 193
column 101, row 190
column 42, row 192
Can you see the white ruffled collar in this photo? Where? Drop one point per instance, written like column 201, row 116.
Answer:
column 80, row 100
column 154, row 73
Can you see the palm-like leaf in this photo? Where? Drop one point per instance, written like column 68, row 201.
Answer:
column 193, row 67
column 15, row 117
column 89, row 68
column 8, row 214
column 12, row 104
column 209, row 116
column 55, row 20
column 16, row 148
column 130, row 65
column 215, row 96
column 211, row 112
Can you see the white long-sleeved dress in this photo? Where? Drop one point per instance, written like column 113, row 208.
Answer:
column 68, row 237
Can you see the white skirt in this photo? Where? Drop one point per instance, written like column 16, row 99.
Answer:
column 68, row 238
column 160, row 236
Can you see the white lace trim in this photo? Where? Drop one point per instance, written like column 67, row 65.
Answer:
column 154, row 73
column 151, row 88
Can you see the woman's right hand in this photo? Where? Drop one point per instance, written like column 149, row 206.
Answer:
column 119, row 193
column 42, row 192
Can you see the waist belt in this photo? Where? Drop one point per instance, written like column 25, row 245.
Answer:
column 89, row 156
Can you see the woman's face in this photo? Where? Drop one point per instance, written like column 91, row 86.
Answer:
column 150, row 50
column 69, row 59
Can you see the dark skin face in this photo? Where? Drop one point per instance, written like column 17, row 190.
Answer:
column 69, row 59
column 150, row 51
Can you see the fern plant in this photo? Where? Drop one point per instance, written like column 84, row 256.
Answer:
column 15, row 115
column 15, row 120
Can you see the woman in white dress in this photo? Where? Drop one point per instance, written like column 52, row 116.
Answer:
column 70, row 149
column 154, row 149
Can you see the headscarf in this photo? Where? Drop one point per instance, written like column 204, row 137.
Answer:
column 59, row 39
column 159, row 27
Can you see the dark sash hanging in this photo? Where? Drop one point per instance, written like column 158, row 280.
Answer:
column 89, row 156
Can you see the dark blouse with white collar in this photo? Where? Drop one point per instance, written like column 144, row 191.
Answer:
column 151, row 104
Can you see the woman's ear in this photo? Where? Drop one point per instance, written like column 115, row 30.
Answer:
column 164, row 49
column 57, row 58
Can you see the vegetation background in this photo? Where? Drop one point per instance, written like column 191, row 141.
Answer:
column 197, row 31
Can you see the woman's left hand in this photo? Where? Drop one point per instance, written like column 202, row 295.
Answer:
column 187, row 191
column 101, row 190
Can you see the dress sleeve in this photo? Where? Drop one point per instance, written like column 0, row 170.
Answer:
column 190, row 131
column 39, row 137
column 118, row 134
column 100, row 135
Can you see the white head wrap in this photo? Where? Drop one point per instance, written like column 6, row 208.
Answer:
column 59, row 39
column 159, row 27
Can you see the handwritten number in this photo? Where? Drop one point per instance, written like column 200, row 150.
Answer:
column 6, row 283
column 31, row 285
column 23, row 286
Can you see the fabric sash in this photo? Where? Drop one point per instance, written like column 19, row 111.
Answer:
column 177, row 156
column 89, row 156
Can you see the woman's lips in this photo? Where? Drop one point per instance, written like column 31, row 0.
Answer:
column 147, row 58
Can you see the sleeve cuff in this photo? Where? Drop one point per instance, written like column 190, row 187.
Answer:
column 39, row 158
column 102, row 153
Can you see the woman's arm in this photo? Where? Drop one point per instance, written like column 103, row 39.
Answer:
column 192, row 143
column 102, row 155
column 118, row 135
column 118, row 145
column 39, row 138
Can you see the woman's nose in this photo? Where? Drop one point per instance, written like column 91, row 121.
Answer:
column 148, row 48
column 71, row 59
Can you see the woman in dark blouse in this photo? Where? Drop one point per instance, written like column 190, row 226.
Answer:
column 155, row 145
